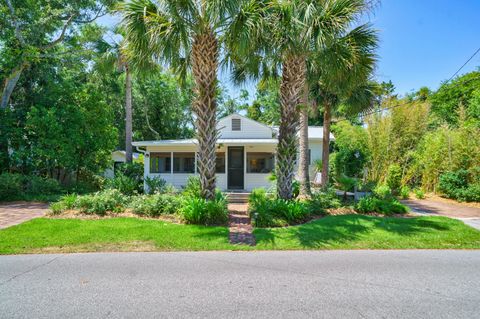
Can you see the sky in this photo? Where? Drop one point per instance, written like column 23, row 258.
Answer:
column 422, row 43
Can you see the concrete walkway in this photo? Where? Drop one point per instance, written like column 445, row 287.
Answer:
column 14, row 213
column 292, row 284
column 469, row 215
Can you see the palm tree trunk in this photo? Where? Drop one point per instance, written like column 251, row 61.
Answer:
column 303, row 162
column 293, row 78
column 327, row 117
column 128, row 115
column 204, row 69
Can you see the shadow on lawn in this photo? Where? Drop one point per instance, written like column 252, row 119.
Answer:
column 335, row 230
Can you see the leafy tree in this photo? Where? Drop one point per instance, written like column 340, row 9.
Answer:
column 460, row 92
column 33, row 30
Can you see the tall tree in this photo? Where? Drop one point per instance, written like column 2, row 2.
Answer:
column 295, row 30
column 33, row 30
column 189, row 35
column 341, row 80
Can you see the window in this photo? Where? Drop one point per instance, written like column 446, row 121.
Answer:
column 309, row 157
column 160, row 162
column 184, row 162
column 220, row 164
column 236, row 125
column 261, row 163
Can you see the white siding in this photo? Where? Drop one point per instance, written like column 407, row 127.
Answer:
column 249, row 128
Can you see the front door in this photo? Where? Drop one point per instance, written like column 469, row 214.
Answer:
column 235, row 167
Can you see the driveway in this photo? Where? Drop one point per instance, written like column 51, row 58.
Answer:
column 301, row 284
column 14, row 213
column 469, row 215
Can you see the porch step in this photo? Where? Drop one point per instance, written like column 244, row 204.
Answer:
column 237, row 198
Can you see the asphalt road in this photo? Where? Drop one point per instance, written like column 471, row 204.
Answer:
column 335, row 284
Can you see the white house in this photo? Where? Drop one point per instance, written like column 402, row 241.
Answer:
column 245, row 155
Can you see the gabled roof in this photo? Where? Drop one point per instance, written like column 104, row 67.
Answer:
column 247, row 119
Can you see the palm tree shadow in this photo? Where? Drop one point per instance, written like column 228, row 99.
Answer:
column 336, row 230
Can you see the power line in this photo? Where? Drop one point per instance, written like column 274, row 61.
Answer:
column 408, row 102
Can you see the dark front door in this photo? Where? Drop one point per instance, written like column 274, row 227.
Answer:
column 235, row 167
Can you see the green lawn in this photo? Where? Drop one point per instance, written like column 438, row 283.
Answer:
column 334, row 232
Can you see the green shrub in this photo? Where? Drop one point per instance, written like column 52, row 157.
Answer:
column 193, row 187
column 383, row 192
column 69, row 200
column 394, row 178
column 58, row 207
column 320, row 201
column 133, row 170
column 41, row 185
column 16, row 187
column 155, row 185
column 404, row 192
column 372, row 204
column 10, row 186
column 469, row 194
column 450, row 183
column 155, row 205
column 110, row 200
column 196, row 210
column 272, row 212
column 126, row 185
column 419, row 194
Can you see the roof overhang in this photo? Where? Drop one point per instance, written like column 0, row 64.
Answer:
column 194, row 142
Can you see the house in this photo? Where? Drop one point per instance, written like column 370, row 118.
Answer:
column 118, row 158
column 245, row 156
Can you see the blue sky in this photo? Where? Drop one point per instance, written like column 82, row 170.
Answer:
column 422, row 42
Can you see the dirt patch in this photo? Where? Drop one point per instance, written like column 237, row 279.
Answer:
column 131, row 246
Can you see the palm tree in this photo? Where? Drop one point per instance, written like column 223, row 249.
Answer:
column 295, row 30
column 188, row 35
column 341, row 77
column 115, row 59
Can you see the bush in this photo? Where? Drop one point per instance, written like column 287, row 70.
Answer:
column 272, row 212
column 58, row 207
column 155, row 185
column 193, row 187
column 372, row 204
column 196, row 210
column 40, row 185
column 419, row 194
column 111, row 200
column 404, row 192
column 469, row 194
column 124, row 184
column 383, row 192
column 11, row 186
column 320, row 201
column 16, row 186
column 133, row 170
column 155, row 205
column 394, row 178
column 450, row 183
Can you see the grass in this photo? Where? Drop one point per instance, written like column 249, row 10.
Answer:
column 334, row 232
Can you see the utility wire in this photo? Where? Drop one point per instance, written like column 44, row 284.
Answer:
column 408, row 102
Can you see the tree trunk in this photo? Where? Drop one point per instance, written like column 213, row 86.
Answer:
column 128, row 115
column 293, row 78
column 10, row 83
column 327, row 117
column 303, row 162
column 204, row 69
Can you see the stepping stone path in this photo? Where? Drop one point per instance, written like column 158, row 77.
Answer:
column 241, row 229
